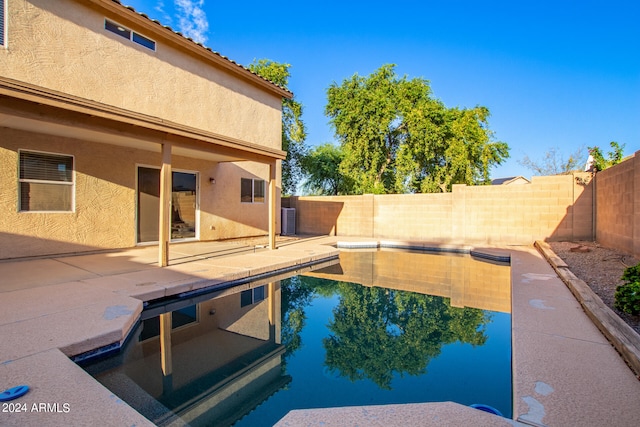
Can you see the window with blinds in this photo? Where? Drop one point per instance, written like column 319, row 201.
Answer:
column 2, row 23
column 46, row 182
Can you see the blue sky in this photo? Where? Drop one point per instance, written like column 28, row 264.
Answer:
column 560, row 73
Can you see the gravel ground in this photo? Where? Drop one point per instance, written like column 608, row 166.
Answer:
column 600, row 268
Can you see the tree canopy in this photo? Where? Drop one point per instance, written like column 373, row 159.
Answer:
column 293, row 128
column 323, row 175
column 396, row 138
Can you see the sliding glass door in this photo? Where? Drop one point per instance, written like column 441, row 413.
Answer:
column 184, row 200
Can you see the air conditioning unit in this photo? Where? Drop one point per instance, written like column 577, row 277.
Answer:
column 288, row 221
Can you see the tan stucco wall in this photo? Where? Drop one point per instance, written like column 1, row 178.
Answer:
column 105, row 198
column 618, row 206
column 232, row 218
column 554, row 208
column 62, row 45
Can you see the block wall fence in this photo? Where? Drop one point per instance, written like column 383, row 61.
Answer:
column 509, row 214
column 553, row 208
column 617, row 220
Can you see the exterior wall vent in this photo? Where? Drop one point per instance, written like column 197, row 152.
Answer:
column 288, row 221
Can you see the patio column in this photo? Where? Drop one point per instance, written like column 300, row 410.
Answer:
column 272, row 205
column 165, row 206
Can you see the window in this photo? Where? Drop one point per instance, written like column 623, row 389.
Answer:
column 258, row 191
column 252, row 296
column 251, row 190
column 179, row 318
column 117, row 29
column 128, row 34
column 2, row 22
column 142, row 40
column 184, row 316
column 46, row 182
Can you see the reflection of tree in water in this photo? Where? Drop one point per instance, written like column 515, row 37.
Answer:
column 297, row 293
column 376, row 332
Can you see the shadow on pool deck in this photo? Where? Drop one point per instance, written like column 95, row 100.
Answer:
column 565, row 371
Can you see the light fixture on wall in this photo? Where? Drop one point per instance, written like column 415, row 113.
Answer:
column 212, row 180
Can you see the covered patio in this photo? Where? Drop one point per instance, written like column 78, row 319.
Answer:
column 30, row 108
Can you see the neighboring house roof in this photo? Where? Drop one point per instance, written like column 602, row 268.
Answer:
column 510, row 180
column 156, row 26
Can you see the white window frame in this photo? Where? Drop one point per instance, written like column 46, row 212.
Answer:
column 254, row 181
column 71, row 184
column 131, row 35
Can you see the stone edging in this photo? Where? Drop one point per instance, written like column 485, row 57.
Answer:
column 623, row 338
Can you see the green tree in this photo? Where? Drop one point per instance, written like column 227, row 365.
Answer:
column 293, row 128
column 613, row 157
column 396, row 138
column 322, row 171
column 554, row 163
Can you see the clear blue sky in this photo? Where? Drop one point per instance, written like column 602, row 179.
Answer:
column 553, row 73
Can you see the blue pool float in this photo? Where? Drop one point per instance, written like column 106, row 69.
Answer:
column 13, row 393
column 487, row 408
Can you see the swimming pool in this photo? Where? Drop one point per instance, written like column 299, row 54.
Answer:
column 379, row 327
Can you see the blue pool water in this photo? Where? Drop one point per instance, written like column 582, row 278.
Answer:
column 247, row 357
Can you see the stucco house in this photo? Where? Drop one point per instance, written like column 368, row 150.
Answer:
column 116, row 131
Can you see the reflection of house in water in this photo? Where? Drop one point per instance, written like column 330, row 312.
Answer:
column 214, row 360
column 468, row 282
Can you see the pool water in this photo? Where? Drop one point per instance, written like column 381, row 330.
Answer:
column 384, row 333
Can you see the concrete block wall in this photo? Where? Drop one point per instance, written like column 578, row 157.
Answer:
column 524, row 213
column 618, row 206
column 551, row 208
column 399, row 217
column 333, row 215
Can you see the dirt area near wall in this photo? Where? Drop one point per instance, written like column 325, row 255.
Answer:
column 600, row 268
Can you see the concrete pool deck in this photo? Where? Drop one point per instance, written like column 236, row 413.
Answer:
column 565, row 372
